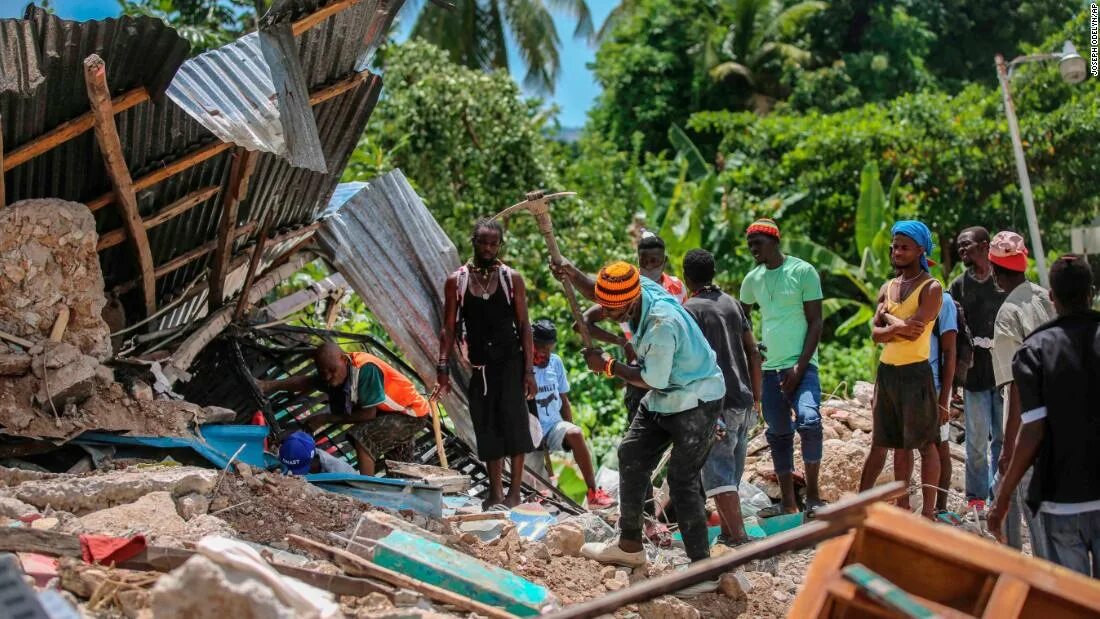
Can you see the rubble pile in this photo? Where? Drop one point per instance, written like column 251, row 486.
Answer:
column 57, row 387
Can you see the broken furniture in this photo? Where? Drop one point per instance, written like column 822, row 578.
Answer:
column 953, row 573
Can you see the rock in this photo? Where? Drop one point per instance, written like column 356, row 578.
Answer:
column 14, row 508
column 566, row 539
column 153, row 514
column 538, row 551
column 404, row 597
column 607, row 572
column 217, row 414
column 14, row 364
column 82, row 495
column 860, row 420
column 841, row 466
column 141, row 390
column 45, row 524
column 667, row 607
column 55, row 356
column 191, row 505
column 780, row 596
column 735, row 585
column 863, row 393
column 74, row 382
column 769, row 565
column 224, row 593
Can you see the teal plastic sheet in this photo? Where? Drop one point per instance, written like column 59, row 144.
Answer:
column 215, row 443
column 393, row 494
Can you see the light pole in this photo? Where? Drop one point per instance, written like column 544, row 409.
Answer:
column 1072, row 67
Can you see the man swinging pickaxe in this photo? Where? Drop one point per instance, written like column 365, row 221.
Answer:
column 538, row 204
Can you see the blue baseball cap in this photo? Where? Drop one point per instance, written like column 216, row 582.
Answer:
column 296, row 453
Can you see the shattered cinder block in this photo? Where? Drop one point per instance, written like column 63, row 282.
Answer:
column 74, row 382
column 82, row 495
column 201, row 589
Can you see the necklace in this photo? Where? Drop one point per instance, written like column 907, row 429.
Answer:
column 484, row 286
column 707, row 288
column 906, row 280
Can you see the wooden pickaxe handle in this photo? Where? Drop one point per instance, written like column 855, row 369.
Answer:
column 547, row 229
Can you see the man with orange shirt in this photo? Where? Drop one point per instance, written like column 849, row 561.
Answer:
column 386, row 409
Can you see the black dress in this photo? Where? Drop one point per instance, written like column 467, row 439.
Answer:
column 498, row 404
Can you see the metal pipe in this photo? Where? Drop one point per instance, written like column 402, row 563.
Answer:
column 1021, row 170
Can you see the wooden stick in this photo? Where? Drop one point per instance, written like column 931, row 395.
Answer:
column 184, row 204
column 15, row 339
column 253, row 264
column 110, row 147
column 59, row 325
column 438, row 430
column 244, row 162
column 842, row 516
column 477, row 517
column 70, row 129
column 321, row 15
column 401, row 580
column 339, row 88
column 184, row 259
column 186, row 162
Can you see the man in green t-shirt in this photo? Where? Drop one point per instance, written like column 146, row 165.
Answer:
column 788, row 291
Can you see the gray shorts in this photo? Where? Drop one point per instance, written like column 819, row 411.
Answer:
column 555, row 438
column 726, row 462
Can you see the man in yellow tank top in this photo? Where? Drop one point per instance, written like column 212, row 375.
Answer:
column 905, row 404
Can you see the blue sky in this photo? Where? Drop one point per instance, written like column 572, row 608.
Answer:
column 574, row 93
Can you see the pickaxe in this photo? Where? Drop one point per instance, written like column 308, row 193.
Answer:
column 538, row 204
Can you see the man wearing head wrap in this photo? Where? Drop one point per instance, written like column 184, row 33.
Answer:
column 788, row 291
column 906, row 415
column 1026, row 308
column 685, row 390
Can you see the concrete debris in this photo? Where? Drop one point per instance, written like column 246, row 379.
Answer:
column 565, row 539
column 14, row 508
column 735, row 585
column 224, row 593
column 191, row 505
column 48, row 261
column 83, row 495
column 155, row 516
column 668, row 607
column 14, row 363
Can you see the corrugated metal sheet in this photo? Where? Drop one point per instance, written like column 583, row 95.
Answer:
column 380, row 236
column 249, row 93
column 19, row 58
column 145, row 52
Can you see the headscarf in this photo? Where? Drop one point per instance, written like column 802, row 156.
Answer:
column 617, row 285
column 920, row 233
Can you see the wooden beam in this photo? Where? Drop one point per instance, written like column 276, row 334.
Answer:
column 70, row 129
column 179, row 165
column 244, row 162
column 339, row 88
column 184, row 204
column 321, row 15
column 1008, row 598
column 206, row 152
column 253, row 264
column 110, row 147
column 182, row 260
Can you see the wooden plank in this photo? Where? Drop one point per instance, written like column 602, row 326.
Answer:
column 70, row 129
column 828, row 560
column 321, row 15
column 850, row 594
column 189, row 160
column 1007, row 600
column 401, row 580
column 253, row 264
column 244, row 162
column 59, row 324
column 14, row 339
column 110, row 147
column 339, row 88
column 182, row 260
column 184, row 204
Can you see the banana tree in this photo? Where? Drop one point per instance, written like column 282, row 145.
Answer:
column 874, row 219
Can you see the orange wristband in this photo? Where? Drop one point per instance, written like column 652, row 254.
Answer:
column 607, row 368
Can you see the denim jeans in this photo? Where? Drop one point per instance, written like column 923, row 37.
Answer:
column 1072, row 539
column 726, row 462
column 983, row 413
column 786, row 416
column 691, row 434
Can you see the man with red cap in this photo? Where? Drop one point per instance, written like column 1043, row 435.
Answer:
column 1025, row 309
column 684, row 394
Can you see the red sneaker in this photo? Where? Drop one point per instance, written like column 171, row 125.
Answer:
column 597, row 498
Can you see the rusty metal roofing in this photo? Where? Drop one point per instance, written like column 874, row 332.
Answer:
column 371, row 232
column 143, row 52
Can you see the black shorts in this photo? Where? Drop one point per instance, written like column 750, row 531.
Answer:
column 904, row 413
column 498, row 410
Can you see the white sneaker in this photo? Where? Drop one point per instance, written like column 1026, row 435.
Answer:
column 610, row 553
column 699, row 588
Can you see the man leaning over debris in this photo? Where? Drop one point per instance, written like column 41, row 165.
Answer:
column 681, row 408
column 383, row 405
column 1056, row 377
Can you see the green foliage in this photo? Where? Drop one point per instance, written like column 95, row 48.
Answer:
column 842, row 364
column 205, row 24
column 475, row 34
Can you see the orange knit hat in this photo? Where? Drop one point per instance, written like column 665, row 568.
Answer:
column 618, row 285
column 764, row 226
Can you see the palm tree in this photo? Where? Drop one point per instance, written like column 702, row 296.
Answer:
column 475, row 32
column 759, row 33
